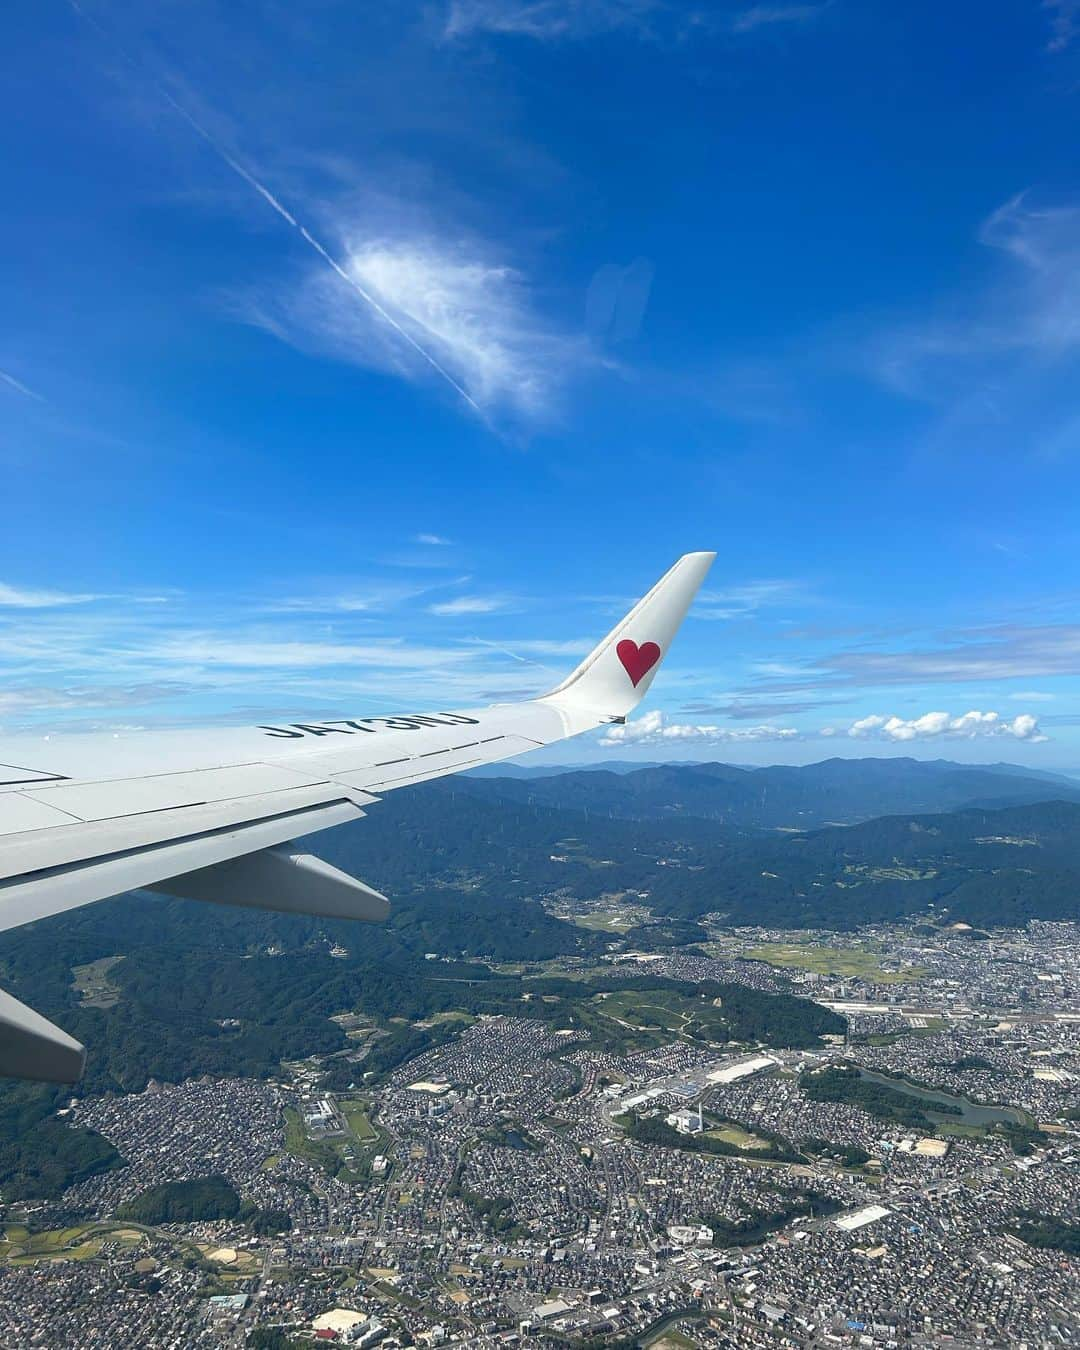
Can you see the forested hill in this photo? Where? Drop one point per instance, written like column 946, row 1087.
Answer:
column 1001, row 866
column 983, row 867
column 835, row 791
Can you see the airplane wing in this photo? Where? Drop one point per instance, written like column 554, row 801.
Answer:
column 212, row 815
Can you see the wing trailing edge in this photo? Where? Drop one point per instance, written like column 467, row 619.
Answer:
column 32, row 1047
column 284, row 880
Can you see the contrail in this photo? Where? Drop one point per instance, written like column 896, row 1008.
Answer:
column 140, row 68
column 22, row 389
column 524, row 660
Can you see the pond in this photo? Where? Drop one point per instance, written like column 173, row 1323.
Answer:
column 971, row 1113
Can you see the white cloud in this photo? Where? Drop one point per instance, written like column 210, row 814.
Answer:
column 654, row 729
column 359, row 597
column 762, row 16
column 1004, row 652
column 1064, row 23
column 248, row 652
column 202, row 659
column 1046, row 241
column 547, row 19
column 454, row 301
column 17, row 597
column 941, row 726
column 469, row 604
column 376, row 310
column 328, row 604
column 44, row 697
column 734, row 602
column 553, row 646
column 1030, row 307
column 435, row 540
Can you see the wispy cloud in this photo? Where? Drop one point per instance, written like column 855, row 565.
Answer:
column 941, row 726
column 42, row 698
column 1032, row 307
column 470, row 604
column 654, row 728
column 199, row 658
column 552, row 647
column 434, row 540
column 735, row 602
column 18, row 597
column 253, row 651
column 456, row 299
column 1064, row 23
column 751, row 710
column 365, row 597
column 349, row 276
column 1045, row 241
column 1004, row 652
column 329, row 604
column 765, row 16
column 548, row 19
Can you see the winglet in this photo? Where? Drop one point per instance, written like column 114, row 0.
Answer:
column 616, row 675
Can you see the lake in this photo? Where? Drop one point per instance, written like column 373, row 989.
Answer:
column 971, row 1113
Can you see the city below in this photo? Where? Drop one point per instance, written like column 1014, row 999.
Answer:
column 911, row 1177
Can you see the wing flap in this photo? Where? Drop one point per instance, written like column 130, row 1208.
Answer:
column 27, row 897
column 42, row 849
column 283, row 879
column 19, row 813
column 32, row 1047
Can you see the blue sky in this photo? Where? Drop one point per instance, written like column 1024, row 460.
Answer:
column 358, row 358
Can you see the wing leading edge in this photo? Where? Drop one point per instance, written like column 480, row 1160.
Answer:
column 212, row 816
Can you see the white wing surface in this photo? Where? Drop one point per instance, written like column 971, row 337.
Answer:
column 212, row 815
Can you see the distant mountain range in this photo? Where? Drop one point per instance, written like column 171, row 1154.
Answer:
column 835, row 791
column 480, row 845
column 982, row 867
column 529, row 769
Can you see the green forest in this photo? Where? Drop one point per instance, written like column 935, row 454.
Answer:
column 838, row 1083
column 757, row 1224
column 198, row 1200
column 183, row 1202
column 656, row 1130
column 1046, row 1230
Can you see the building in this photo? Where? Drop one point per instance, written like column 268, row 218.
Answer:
column 690, row 1234
column 687, row 1122
column 342, row 1323
column 742, row 1068
column 545, row 1312
column 861, row 1217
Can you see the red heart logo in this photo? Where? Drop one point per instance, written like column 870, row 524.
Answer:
column 637, row 661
